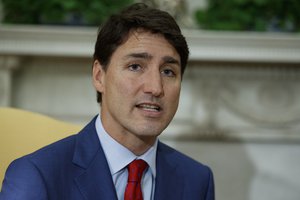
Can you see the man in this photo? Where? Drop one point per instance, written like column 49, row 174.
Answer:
column 140, row 56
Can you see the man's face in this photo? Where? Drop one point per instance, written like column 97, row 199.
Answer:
column 140, row 88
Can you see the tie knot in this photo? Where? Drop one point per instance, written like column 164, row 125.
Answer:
column 135, row 170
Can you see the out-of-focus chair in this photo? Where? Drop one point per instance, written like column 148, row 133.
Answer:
column 22, row 132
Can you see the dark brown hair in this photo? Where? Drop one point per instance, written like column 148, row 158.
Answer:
column 138, row 16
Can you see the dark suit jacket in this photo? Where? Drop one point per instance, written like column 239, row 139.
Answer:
column 75, row 168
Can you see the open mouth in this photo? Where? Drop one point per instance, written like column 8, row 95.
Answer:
column 149, row 107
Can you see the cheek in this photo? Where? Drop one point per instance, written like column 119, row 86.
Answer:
column 174, row 91
column 124, row 87
column 173, row 95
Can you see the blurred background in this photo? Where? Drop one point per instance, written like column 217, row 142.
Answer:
column 240, row 102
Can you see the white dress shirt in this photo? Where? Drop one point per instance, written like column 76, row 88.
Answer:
column 118, row 157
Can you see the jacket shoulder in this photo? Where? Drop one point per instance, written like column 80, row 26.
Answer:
column 187, row 165
column 189, row 171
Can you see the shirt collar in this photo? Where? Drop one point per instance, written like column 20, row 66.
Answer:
column 118, row 156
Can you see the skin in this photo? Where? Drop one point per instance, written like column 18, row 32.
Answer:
column 140, row 90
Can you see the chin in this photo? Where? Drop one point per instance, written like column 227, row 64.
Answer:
column 151, row 132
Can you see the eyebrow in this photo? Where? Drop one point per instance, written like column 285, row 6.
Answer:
column 146, row 56
column 171, row 60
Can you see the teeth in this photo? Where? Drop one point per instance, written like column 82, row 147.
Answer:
column 149, row 107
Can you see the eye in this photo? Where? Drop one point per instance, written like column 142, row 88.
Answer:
column 168, row 72
column 135, row 67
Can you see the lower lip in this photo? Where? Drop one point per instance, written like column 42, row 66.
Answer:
column 150, row 113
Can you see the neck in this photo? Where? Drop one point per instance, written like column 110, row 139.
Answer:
column 136, row 144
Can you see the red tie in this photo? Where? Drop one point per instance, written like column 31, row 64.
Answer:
column 135, row 172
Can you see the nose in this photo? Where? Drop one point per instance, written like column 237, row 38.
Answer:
column 153, row 83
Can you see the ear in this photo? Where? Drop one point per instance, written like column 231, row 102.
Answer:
column 98, row 76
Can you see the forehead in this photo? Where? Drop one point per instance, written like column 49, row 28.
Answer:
column 145, row 41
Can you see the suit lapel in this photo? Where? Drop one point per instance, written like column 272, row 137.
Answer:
column 94, row 180
column 168, row 181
